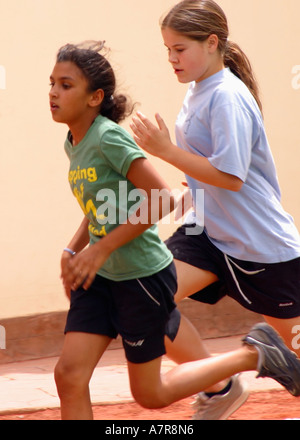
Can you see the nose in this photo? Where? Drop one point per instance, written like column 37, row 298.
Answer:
column 172, row 57
column 53, row 92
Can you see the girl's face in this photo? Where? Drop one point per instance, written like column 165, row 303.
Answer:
column 69, row 95
column 192, row 60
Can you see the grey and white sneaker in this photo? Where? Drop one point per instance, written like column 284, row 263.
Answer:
column 275, row 359
column 221, row 406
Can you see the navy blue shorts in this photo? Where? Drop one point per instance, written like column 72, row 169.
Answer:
column 268, row 289
column 142, row 311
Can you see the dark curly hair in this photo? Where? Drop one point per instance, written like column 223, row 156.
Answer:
column 99, row 74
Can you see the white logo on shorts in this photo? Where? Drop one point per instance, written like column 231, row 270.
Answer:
column 135, row 344
column 286, row 304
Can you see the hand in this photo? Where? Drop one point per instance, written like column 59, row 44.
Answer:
column 155, row 141
column 81, row 269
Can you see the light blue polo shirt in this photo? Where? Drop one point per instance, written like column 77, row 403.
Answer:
column 220, row 120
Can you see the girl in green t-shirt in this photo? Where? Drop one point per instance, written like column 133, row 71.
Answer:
column 120, row 277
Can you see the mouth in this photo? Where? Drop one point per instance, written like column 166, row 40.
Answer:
column 53, row 106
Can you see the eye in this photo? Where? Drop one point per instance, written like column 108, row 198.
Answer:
column 176, row 50
column 66, row 86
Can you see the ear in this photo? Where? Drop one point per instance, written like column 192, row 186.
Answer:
column 96, row 98
column 213, row 43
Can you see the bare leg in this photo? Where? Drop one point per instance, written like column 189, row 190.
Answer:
column 289, row 330
column 80, row 355
column 188, row 347
column 190, row 279
column 152, row 390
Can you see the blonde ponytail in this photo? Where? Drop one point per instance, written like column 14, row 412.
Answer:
column 239, row 64
column 198, row 19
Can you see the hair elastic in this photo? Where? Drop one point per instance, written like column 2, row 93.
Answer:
column 70, row 251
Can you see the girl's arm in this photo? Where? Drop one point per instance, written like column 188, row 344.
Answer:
column 157, row 142
column 83, row 267
column 81, row 237
column 78, row 242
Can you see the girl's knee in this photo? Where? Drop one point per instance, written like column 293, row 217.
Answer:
column 147, row 387
column 68, row 379
column 149, row 399
column 61, row 376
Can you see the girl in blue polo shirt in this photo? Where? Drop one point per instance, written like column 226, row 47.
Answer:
column 248, row 247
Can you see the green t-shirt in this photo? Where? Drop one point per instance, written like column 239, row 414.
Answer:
column 97, row 176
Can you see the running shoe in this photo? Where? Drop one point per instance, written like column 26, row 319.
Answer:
column 221, row 406
column 275, row 359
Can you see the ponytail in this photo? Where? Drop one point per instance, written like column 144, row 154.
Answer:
column 197, row 20
column 116, row 107
column 240, row 66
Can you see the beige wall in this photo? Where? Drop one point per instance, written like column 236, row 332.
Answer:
column 38, row 212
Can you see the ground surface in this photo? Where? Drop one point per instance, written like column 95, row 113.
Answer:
column 274, row 405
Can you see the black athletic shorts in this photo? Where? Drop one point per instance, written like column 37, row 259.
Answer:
column 142, row 311
column 268, row 289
